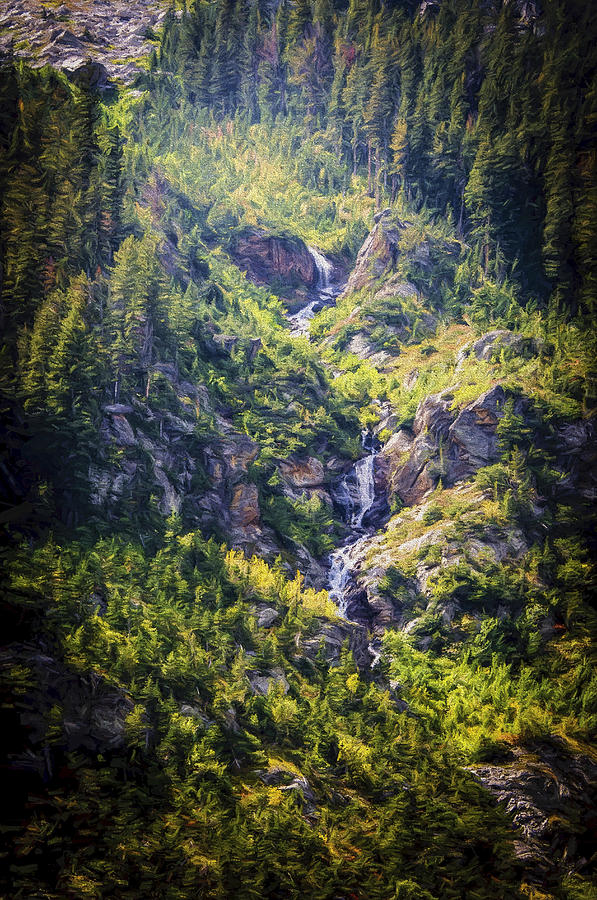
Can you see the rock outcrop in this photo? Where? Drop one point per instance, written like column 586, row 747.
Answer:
column 268, row 257
column 261, row 684
column 93, row 43
column 93, row 712
column 303, row 473
column 550, row 794
column 489, row 346
column 326, row 640
column 445, row 443
column 388, row 245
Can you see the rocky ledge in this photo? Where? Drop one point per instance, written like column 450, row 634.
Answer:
column 97, row 42
column 550, row 793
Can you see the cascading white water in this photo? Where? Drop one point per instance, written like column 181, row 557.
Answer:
column 324, row 269
column 325, row 289
column 338, row 577
column 356, row 494
column 365, row 478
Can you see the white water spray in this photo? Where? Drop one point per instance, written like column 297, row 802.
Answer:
column 325, row 269
column 356, row 494
column 338, row 577
column 364, row 472
column 325, row 290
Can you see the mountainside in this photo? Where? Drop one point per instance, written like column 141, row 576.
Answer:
column 298, row 473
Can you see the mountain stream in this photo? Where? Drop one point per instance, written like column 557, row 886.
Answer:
column 325, row 292
column 355, row 494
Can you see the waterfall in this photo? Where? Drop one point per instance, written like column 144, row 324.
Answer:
column 339, row 575
column 356, row 494
column 324, row 267
column 364, row 472
column 325, row 292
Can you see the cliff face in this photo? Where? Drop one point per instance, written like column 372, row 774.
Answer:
column 268, row 257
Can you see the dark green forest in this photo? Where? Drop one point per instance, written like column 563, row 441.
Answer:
column 191, row 705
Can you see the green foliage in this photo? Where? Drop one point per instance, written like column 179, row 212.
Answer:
column 180, row 653
column 245, row 761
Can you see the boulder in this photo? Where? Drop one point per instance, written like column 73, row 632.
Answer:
column 489, row 345
column 260, row 684
column 266, row 617
column 362, row 347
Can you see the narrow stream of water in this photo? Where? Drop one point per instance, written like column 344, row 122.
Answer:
column 355, row 494
column 326, row 290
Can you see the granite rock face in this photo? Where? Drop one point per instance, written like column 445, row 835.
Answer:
column 445, row 444
column 303, row 473
column 385, row 247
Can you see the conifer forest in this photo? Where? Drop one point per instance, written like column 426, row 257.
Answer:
column 298, row 457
